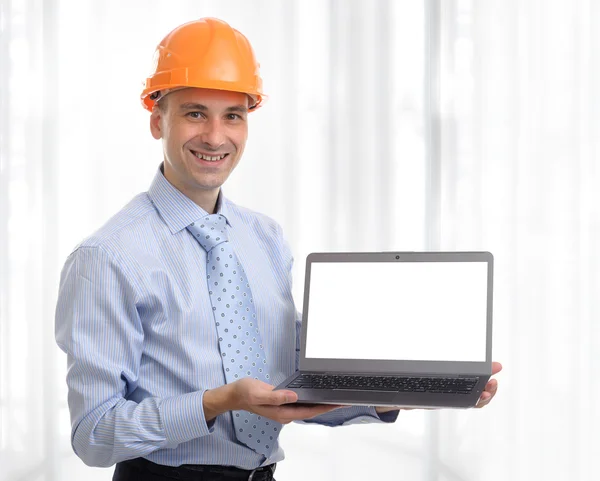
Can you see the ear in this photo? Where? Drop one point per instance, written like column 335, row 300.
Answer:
column 155, row 123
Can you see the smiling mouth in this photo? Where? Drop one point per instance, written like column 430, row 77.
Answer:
column 209, row 158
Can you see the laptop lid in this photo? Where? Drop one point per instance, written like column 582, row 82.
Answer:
column 398, row 312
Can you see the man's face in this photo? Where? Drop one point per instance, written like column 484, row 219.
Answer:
column 204, row 133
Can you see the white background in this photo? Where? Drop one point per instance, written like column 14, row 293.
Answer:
column 418, row 311
column 391, row 125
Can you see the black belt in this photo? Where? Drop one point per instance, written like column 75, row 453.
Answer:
column 139, row 468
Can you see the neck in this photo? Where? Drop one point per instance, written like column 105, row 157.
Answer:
column 205, row 198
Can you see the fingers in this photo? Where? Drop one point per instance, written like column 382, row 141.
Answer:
column 488, row 394
column 483, row 400
column 273, row 398
column 252, row 392
column 490, row 388
column 496, row 368
column 285, row 397
column 492, row 385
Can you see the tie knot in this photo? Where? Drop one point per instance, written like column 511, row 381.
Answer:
column 209, row 231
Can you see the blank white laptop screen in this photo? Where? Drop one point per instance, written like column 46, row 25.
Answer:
column 421, row 311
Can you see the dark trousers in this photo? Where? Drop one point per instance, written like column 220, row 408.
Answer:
column 140, row 469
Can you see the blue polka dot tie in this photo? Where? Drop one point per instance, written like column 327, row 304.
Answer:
column 235, row 317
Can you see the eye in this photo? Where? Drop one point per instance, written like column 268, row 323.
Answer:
column 195, row 115
column 233, row 117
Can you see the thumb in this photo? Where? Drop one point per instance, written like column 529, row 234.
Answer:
column 277, row 398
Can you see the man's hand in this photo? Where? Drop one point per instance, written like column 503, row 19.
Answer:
column 258, row 397
column 486, row 396
column 490, row 388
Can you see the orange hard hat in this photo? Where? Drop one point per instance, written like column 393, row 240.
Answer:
column 205, row 53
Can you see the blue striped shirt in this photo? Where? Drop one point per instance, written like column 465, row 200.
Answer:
column 135, row 319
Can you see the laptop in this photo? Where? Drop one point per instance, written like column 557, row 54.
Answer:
column 408, row 329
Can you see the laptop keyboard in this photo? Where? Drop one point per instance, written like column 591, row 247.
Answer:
column 385, row 383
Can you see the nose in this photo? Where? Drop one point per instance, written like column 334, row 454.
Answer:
column 213, row 135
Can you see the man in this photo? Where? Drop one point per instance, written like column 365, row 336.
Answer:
column 177, row 315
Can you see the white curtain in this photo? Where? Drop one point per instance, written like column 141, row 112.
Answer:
column 390, row 125
column 520, row 174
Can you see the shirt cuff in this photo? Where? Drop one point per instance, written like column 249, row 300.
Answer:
column 387, row 417
column 352, row 415
column 183, row 418
column 368, row 415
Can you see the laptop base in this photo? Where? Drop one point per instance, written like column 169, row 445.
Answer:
column 420, row 400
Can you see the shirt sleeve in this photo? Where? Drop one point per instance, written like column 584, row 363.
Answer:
column 343, row 416
column 99, row 328
column 353, row 415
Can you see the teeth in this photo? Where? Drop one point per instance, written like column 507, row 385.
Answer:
column 209, row 158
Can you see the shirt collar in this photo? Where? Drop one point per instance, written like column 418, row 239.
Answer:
column 177, row 210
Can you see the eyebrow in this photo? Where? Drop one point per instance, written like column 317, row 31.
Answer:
column 204, row 108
